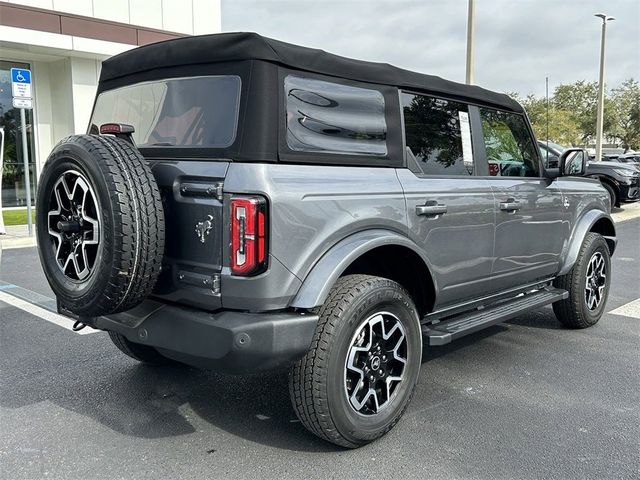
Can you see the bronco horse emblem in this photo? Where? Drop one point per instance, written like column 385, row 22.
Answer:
column 203, row 229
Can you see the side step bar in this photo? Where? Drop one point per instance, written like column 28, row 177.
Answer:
column 448, row 330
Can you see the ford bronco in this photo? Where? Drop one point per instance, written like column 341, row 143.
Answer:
column 242, row 204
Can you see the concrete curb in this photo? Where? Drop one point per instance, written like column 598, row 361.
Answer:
column 17, row 236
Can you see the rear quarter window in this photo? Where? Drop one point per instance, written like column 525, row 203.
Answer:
column 333, row 118
column 181, row 112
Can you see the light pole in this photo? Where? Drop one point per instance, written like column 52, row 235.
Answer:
column 600, row 120
column 470, row 27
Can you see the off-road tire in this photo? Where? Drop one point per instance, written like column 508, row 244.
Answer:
column 129, row 255
column 574, row 312
column 316, row 382
column 141, row 353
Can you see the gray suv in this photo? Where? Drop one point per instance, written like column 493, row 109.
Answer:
column 242, row 204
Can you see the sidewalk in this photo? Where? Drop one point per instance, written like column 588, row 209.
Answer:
column 17, row 236
column 628, row 211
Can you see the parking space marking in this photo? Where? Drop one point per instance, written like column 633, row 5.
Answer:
column 42, row 313
column 631, row 309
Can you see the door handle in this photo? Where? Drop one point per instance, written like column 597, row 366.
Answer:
column 510, row 205
column 431, row 209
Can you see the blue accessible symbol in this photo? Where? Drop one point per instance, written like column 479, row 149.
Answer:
column 20, row 75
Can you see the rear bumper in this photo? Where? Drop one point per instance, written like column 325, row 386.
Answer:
column 228, row 341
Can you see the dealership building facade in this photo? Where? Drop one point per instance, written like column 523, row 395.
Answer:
column 63, row 43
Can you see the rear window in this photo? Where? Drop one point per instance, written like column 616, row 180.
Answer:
column 329, row 117
column 181, row 112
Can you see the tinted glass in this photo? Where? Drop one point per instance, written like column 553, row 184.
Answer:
column 185, row 112
column 438, row 134
column 332, row 118
column 510, row 148
column 574, row 162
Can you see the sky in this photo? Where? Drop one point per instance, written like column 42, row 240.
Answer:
column 517, row 42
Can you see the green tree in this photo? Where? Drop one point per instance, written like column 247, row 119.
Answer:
column 580, row 100
column 626, row 101
column 562, row 126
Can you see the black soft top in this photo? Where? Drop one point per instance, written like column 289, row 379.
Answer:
column 226, row 47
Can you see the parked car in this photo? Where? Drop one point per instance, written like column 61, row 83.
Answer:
column 614, row 174
column 631, row 157
column 621, row 180
column 244, row 204
column 550, row 153
column 631, row 160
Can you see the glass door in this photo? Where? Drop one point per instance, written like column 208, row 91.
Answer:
column 13, row 181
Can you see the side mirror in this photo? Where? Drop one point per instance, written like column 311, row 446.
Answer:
column 573, row 161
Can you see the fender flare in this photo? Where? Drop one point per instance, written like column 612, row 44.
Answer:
column 584, row 226
column 317, row 284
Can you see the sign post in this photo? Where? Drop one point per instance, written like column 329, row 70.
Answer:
column 3, row 230
column 21, row 91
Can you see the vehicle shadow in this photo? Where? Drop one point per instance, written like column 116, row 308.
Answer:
column 148, row 402
column 160, row 402
column 543, row 318
column 430, row 353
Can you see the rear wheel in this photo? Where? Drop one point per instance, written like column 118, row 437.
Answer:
column 587, row 283
column 359, row 375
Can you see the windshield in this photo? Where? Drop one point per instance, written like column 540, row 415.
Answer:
column 557, row 147
column 184, row 112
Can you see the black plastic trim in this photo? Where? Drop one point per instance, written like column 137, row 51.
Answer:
column 228, row 341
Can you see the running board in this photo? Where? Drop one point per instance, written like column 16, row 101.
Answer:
column 448, row 330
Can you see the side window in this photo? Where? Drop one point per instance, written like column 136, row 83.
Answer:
column 438, row 134
column 510, row 148
column 332, row 118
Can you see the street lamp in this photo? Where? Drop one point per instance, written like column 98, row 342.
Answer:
column 599, row 121
column 470, row 20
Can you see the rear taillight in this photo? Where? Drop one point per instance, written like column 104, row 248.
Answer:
column 248, row 235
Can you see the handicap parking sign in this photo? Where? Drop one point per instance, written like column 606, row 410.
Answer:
column 20, row 75
column 21, row 83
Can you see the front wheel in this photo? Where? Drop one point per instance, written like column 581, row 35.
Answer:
column 613, row 198
column 587, row 283
column 358, row 377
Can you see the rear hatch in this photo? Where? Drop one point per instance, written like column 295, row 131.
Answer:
column 173, row 118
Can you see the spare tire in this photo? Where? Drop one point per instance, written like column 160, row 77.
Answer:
column 99, row 224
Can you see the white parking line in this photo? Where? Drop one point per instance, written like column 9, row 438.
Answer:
column 631, row 309
column 42, row 313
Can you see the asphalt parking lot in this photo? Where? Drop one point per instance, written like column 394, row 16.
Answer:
column 526, row 399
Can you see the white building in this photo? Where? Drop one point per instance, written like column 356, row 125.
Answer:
column 63, row 42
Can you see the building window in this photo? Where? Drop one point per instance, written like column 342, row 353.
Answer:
column 14, row 193
column 438, row 134
column 329, row 117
